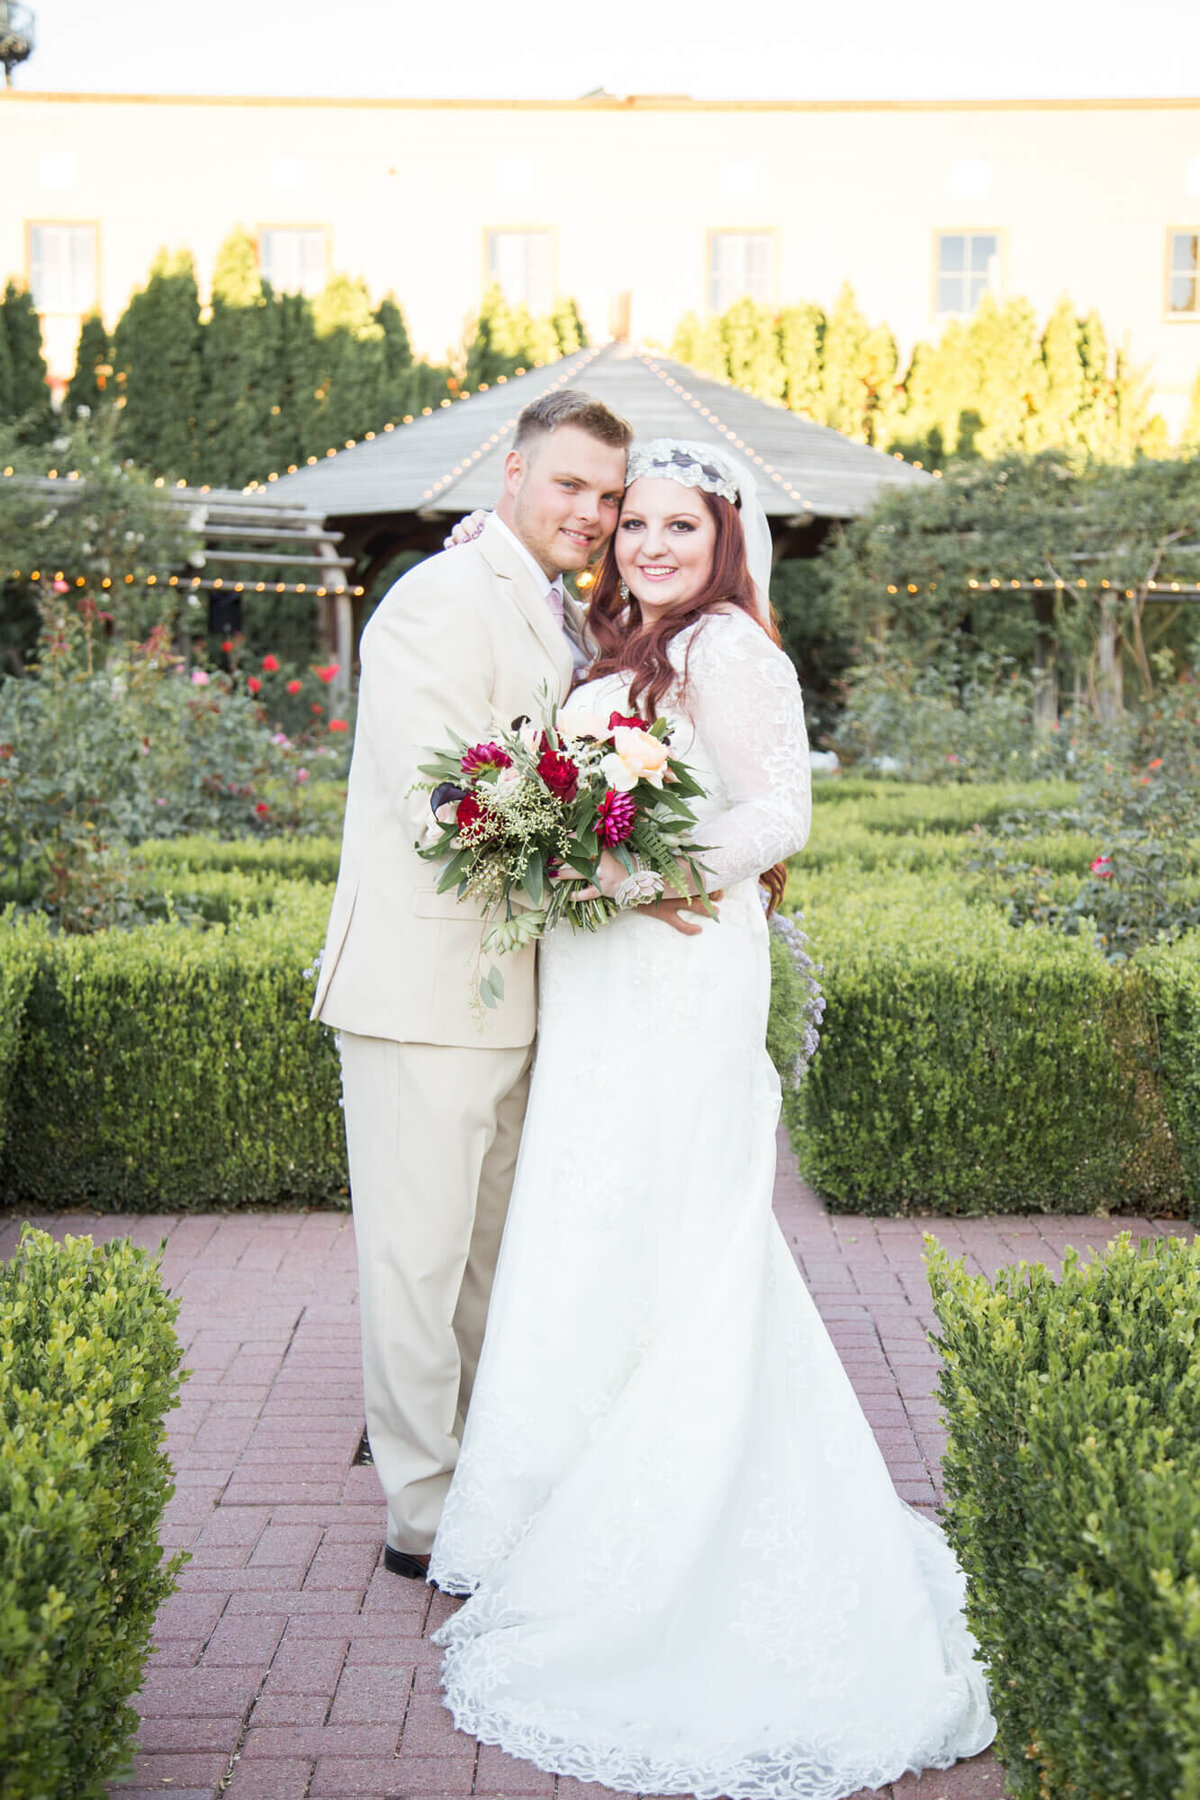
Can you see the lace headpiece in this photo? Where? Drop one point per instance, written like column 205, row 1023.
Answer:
column 709, row 466
column 667, row 459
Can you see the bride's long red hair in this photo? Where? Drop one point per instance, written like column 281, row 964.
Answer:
column 627, row 644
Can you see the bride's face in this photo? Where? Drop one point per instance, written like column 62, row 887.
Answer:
column 664, row 544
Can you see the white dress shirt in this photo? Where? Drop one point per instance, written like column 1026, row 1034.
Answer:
column 553, row 590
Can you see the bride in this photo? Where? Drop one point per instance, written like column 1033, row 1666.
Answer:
column 688, row 1570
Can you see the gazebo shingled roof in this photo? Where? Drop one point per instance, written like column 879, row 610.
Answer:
column 443, row 465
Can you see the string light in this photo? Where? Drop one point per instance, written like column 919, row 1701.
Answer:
column 196, row 581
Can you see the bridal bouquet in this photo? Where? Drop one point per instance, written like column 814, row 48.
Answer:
column 509, row 813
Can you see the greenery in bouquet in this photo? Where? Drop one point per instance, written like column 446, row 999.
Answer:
column 510, row 814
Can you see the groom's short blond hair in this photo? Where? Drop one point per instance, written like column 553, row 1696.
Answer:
column 571, row 406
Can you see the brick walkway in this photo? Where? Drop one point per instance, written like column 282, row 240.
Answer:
column 289, row 1665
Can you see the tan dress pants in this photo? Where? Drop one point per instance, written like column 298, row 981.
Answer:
column 433, row 1132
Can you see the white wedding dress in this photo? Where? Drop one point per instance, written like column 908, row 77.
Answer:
column 689, row 1571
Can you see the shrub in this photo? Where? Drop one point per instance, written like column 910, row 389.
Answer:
column 89, row 1364
column 17, row 967
column 1174, row 986
column 1073, row 1482
column 285, row 858
column 966, row 1067
column 171, row 1068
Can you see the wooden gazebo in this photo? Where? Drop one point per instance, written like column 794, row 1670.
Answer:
column 399, row 488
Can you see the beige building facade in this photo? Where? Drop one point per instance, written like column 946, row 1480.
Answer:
column 642, row 208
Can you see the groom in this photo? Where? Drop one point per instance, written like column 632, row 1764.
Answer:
column 434, row 1100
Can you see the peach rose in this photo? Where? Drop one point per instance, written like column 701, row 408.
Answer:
column 636, row 756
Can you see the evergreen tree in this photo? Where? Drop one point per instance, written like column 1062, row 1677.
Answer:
column 801, row 344
column 568, row 327
column 859, row 367
column 30, row 391
column 752, row 358
column 157, row 358
column 541, row 344
column 238, row 367
column 1094, row 424
column 1058, row 419
column 351, row 347
column 1009, row 375
column 293, row 432
column 396, row 394
column 88, row 386
column 1190, row 439
column 489, row 351
column 8, row 406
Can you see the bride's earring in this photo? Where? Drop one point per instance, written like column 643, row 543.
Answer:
column 623, row 590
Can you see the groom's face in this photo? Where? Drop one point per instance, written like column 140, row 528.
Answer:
column 562, row 496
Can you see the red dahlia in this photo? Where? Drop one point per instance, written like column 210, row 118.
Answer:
column 615, row 818
column 485, row 756
column 559, row 774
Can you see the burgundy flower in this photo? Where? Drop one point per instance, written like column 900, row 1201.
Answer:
column 559, row 774
column 1101, row 866
column 485, row 756
column 471, row 817
column 616, row 720
column 615, row 818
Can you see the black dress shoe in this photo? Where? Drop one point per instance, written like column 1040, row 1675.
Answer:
column 401, row 1562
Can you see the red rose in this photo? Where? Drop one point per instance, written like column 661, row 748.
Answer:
column 328, row 672
column 254, row 684
column 270, row 665
column 1101, row 866
column 559, row 774
column 227, row 645
column 616, row 720
column 317, row 707
column 338, row 725
column 293, row 687
column 262, row 808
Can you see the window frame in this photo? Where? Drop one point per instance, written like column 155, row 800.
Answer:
column 939, row 316
column 92, row 225
column 323, row 227
column 1170, row 316
column 773, row 233
column 550, row 232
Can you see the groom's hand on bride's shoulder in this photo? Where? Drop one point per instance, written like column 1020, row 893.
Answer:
column 673, row 910
column 466, row 531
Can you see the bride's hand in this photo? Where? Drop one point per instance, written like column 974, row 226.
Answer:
column 609, row 878
column 466, row 531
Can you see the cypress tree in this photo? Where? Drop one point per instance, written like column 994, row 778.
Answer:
column 1009, row 375
column 30, row 390
column 88, row 386
column 489, row 352
column 293, row 432
column 7, row 394
column 1190, row 439
column 858, row 364
column 801, row 341
column 568, row 327
column 1095, row 421
column 1057, row 423
column 238, row 368
column 752, row 356
column 157, row 357
column 396, row 394
column 352, row 361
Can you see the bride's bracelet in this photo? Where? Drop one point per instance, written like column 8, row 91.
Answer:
column 638, row 887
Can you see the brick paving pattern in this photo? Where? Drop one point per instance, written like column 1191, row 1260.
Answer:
column 289, row 1665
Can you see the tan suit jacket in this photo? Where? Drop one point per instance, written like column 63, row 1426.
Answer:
column 464, row 637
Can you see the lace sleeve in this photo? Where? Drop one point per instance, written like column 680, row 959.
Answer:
column 743, row 696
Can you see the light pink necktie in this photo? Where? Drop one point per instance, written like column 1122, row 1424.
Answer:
column 555, row 597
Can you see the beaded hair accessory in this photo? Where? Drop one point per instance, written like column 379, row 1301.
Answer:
column 665, row 459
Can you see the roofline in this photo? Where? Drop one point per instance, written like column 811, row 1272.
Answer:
column 640, row 103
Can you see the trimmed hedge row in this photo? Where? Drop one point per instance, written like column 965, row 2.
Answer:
column 172, row 1068
column 282, row 858
column 967, row 1067
column 89, row 1364
column 1073, row 1482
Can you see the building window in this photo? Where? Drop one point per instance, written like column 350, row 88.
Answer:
column 741, row 264
column 968, row 267
column 294, row 259
column 1183, row 278
column 62, row 272
column 522, row 263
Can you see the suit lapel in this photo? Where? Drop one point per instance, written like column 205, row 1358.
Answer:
column 575, row 619
column 517, row 581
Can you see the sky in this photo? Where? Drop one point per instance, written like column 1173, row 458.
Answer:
column 531, row 49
